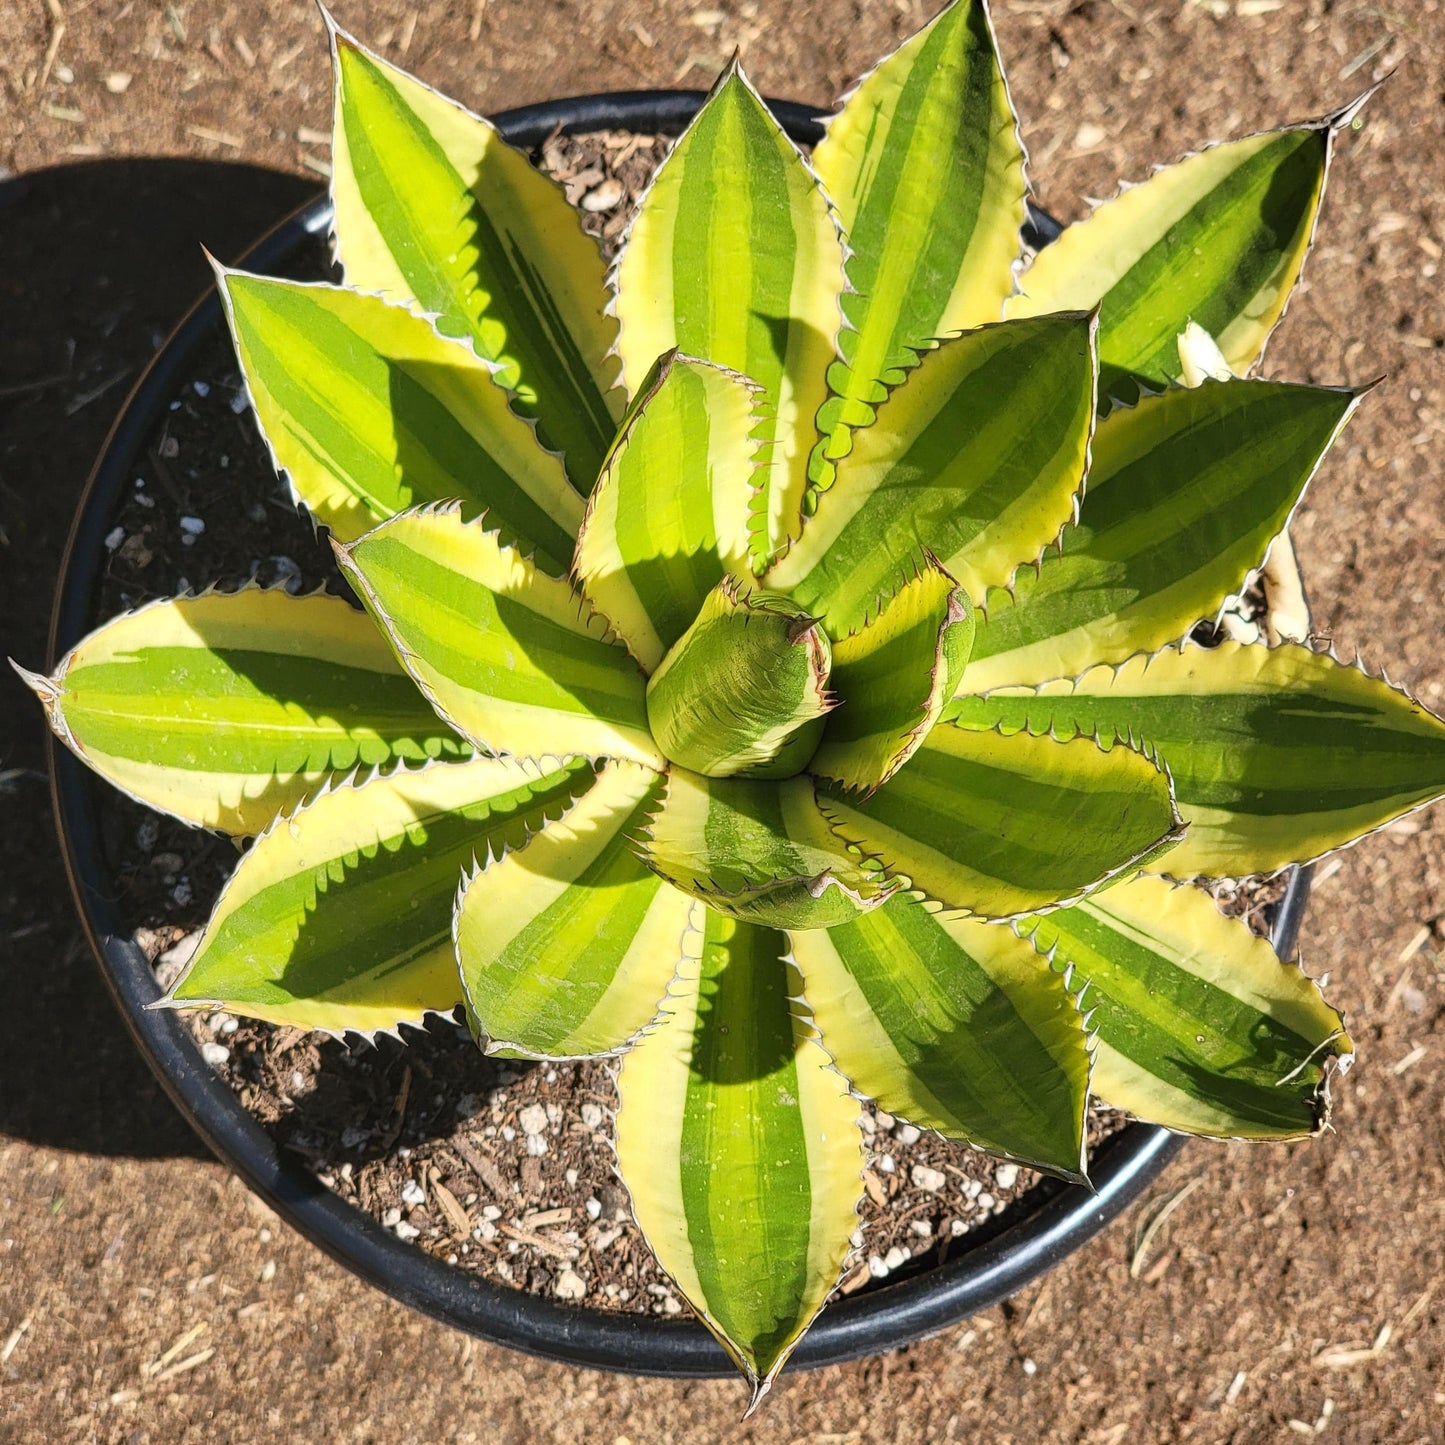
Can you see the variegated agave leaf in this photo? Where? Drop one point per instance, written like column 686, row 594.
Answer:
column 807, row 717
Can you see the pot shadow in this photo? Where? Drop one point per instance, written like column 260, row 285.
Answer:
column 98, row 260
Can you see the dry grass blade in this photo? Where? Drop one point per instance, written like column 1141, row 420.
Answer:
column 399, row 1115
column 215, row 137
column 156, row 1366
column 189, row 1363
column 1150, row 1227
column 1343, row 1359
column 543, row 1242
column 451, row 1206
column 1410, row 1060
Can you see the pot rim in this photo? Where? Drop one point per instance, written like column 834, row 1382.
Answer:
column 1001, row 1261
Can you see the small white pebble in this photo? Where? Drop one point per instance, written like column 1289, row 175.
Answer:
column 485, row 1230
column 536, row 1146
column 490, row 1211
column 986, row 1200
column 856, row 1239
column 928, row 1179
column 215, row 1054
column 885, row 1121
column 114, row 538
column 298, row 1081
column 1030, row 1368
column 508, row 1133
column 569, row 1285
column 908, row 1134
column 886, row 1164
column 1006, row 1175
column 217, row 1022
column 533, row 1119
column 570, row 1176
column 405, row 1230
column 201, row 388
column 957, row 1227
column 876, row 1267
column 392, row 1217
column 412, row 1193
column 896, row 1257
column 971, row 1188
column 868, row 1124
column 670, row 1305
column 240, row 402
column 593, row 1208
column 592, row 1116
column 192, row 526
column 922, row 1227
column 604, row 196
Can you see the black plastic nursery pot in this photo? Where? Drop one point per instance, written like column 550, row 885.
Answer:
column 1040, row 1230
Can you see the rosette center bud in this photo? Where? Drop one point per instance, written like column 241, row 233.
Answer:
column 745, row 689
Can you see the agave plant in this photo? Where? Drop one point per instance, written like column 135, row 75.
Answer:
column 748, row 686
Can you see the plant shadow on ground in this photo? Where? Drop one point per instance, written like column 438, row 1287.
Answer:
column 98, row 261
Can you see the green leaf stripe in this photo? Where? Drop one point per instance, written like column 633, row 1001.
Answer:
column 370, row 411
column 1186, row 493
column 1199, row 1026
column 1277, row 754
column 568, row 943
column 432, row 206
column 741, row 1149
column 979, row 459
column 669, row 516
column 339, row 917
column 503, row 652
column 744, row 690
column 893, row 679
column 734, row 257
column 954, row 1026
column 759, row 851
column 227, row 708
column 1219, row 238
column 998, row 825
column 925, row 168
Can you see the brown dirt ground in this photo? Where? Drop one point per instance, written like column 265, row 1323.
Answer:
column 118, row 1239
